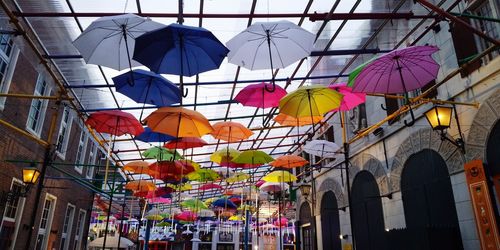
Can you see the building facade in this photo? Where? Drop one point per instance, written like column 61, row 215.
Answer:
column 408, row 186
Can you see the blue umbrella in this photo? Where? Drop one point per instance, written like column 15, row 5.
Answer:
column 224, row 203
column 149, row 136
column 195, row 50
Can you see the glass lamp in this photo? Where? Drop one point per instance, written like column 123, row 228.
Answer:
column 439, row 117
column 30, row 175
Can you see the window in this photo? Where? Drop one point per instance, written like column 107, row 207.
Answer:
column 11, row 217
column 492, row 29
column 45, row 222
column 8, row 59
column 38, row 107
column 64, row 130
column 92, row 160
column 79, row 230
column 67, row 225
column 80, row 153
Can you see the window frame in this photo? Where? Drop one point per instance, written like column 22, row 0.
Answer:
column 10, row 61
column 79, row 230
column 43, row 106
column 83, row 140
column 481, row 44
column 19, row 212
column 68, row 124
column 92, row 159
column 48, row 224
column 69, row 226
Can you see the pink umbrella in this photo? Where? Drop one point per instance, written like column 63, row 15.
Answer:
column 350, row 100
column 210, row 186
column 255, row 95
column 160, row 200
column 259, row 183
column 186, row 216
column 283, row 222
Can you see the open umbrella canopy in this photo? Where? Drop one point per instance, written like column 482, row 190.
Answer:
column 203, row 175
column 224, row 203
column 255, row 95
column 137, row 167
column 147, row 87
column 279, row 176
column 171, row 167
column 149, row 136
column 253, row 157
column 181, row 187
column 398, row 71
column 350, row 99
column 194, row 204
column 140, row 186
column 161, row 154
column 237, row 177
column 289, row 161
column 186, row 216
column 313, row 100
column 238, row 217
column 210, row 186
column 288, row 120
column 114, row 122
column 274, row 187
column 109, row 41
column 224, row 156
column 206, row 213
column 160, row 200
column 230, row 131
column 178, row 122
column 185, row 143
column 322, row 148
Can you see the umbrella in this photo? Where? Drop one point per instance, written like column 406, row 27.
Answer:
column 286, row 44
column 181, row 187
column 159, row 200
column 282, row 222
column 350, row 99
column 255, row 96
column 114, row 122
column 206, row 213
column 253, row 157
column 289, row 161
column 185, row 143
column 224, row 203
column 398, row 72
column 159, row 192
column 186, row 216
column 179, row 122
column 203, row 175
column 137, row 167
column 140, row 186
column 109, row 41
column 279, row 176
column 236, row 218
column 224, row 156
column 195, row 50
column 209, row 201
column 355, row 72
column 209, row 186
column 161, row 154
column 288, row 120
column 171, row 167
column 273, row 187
column 149, row 136
column 154, row 214
column 322, row 148
column 237, row 177
column 235, row 200
column 230, row 131
column 224, row 171
column 194, row 204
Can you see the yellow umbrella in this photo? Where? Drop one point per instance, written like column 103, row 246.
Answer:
column 313, row 100
column 237, row 177
column 236, row 218
column 178, row 122
column 224, row 156
column 280, row 176
column 140, row 186
column 209, row 201
column 181, row 187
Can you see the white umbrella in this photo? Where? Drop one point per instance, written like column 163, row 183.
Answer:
column 273, row 187
column 322, row 148
column 111, row 243
column 109, row 41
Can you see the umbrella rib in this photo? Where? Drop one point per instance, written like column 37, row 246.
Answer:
column 255, row 57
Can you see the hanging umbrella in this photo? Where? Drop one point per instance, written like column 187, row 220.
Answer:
column 289, row 161
column 159, row 200
column 194, row 204
column 210, row 186
column 203, row 175
column 288, row 120
column 140, row 186
column 283, row 222
column 253, row 157
column 313, row 100
column 137, row 167
column 206, row 213
column 185, row 143
column 286, row 44
column 238, row 217
column 274, row 187
column 224, row 203
column 259, row 183
column 161, row 154
column 247, row 207
column 279, row 176
column 186, row 216
column 322, row 148
column 181, row 187
column 350, row 99
column 236, row 200
column 355, row 72
column 225, row 156
column 209, row 201
column 237, row 177
column 149, row 136
column 255, row 96
column 114, row 122
column 230, row 131
column 171, row 167
column 195, row 50
column 179, row 122
column 154, row 214
column 224, row 171
column 109, row 41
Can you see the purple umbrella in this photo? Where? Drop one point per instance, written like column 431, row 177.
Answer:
column 398, row 72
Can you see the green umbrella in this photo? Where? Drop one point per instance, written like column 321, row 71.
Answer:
column 161, row 154
column 194, row 204
column 253, row 157
column 203, row 175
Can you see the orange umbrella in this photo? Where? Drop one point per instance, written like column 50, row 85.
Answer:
column 137, row 167
column 140, row 186
column 178, row 122
column 287, row 120
column 289, row 161
column 230, row 131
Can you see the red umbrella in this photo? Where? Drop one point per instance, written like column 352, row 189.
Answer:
column 171, row 167
column 210, row 186
column 186, row 216
column 185, row 143
column 115, row 122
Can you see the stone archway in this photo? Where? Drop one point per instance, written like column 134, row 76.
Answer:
column 372, row 165
column 330, row 185
column 424, row 139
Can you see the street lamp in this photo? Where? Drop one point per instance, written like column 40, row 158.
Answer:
column 30, row 177
column 439, row 118
column 305, row 189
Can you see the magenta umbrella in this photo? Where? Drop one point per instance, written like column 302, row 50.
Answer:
column 210, row 186
column 350, row 100
column 160, row 200
column 256, row 95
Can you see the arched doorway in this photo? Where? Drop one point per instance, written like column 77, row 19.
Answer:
column 429, row 206
column 330, row 224
column 306, row 232
column 493, row 166
column 368, row 217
